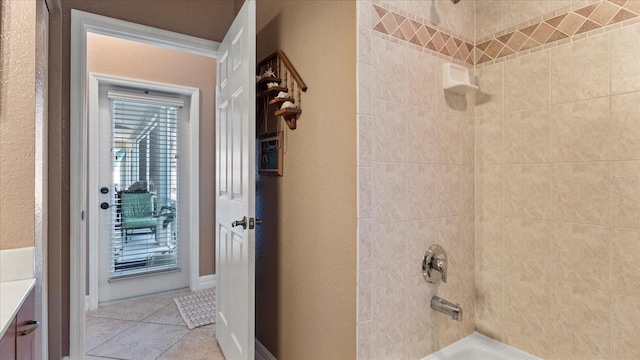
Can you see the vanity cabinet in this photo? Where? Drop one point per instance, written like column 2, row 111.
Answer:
column 18, row 343
column 8, row 343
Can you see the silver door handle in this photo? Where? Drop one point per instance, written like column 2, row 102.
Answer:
column 242, row 223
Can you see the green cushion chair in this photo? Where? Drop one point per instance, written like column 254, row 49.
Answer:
column 137, row 212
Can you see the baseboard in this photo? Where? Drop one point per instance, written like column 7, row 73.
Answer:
column 207, row 282
column 262, row 353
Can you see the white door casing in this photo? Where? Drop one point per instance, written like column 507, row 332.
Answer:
column 235, row 187
column 100, row 175
column 81, row 24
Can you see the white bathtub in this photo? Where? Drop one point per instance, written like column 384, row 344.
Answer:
column 479, row 347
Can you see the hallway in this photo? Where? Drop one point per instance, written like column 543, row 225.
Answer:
column 147, row 328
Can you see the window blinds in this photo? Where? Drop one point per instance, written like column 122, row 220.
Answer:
column 145, row 161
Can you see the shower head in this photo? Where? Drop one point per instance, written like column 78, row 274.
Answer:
column 455, row 1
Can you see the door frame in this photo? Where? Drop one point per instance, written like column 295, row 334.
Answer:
column 81, row 24
column 97, row 80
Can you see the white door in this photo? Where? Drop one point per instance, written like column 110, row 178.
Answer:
column 139, row 248
column 235, row 187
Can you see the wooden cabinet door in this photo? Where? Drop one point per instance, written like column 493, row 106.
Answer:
column 25, row 344
column 8, row 343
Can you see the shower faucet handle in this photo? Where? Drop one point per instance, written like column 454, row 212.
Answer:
column 434, row 264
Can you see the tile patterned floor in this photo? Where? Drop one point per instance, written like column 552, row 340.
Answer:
column 147, row 328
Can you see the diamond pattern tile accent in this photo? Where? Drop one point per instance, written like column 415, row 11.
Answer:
column 531, row 36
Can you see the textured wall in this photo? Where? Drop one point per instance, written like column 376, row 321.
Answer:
column 415, row 180
column 17, row 124
column 112, row 56
column 558, row 194
column 306, row 248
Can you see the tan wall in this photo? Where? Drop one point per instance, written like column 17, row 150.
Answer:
column 205, row 19
column 306, row 249
column 558, row 198
column 112, row 56
column 17, row 124
column 416, row 188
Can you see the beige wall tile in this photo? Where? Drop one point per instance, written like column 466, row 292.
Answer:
column 582, row 254
column 449, row 131
column 424, row 199
column 390, row 192
column 625, row 67
column 389, row 254
column 420, row 345
column 525, row 240
column 365, row 339
column 625, row 327
column 526, row 136
column 467, row 239
column 489, row 239
column 449, row 234
column 393, row 350
column 448, row 188
column 468, row 298
column 364, row 23
column 488, row 17
column 365, row 90
column 389, row 307
column 489, row 300
column 365, row 189
column 467, row 189
column 625, row 252
column 580, row 131
column 625, row 126
column 420, row 317
column 526, row 82
column 366, row 237
column 468, row 146
column 389, row 70
column 422, row 135
column 580, row 319
column 624, row 184
column 578, row 193
column 489, row 140
column 580, row 70
column 421, row 75
column 527, row 191
column 389, row 132
column 516, row 12
column 365, row 293
column 489, row 96
column 489, row 179
column 527, row 315
column 467, row 18
column 365, row 140
column 448, row 330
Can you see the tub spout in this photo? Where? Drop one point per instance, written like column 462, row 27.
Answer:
column 452, row 310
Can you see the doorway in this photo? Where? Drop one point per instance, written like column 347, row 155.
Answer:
column 83, row 26
column 139, row 233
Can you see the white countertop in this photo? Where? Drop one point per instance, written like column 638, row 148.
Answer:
column 12, row 296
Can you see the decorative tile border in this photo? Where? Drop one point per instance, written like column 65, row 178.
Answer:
column 403, row 28
column 556, row 28
column 552, row 30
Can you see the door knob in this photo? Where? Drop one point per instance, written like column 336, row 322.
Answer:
column 242, row 223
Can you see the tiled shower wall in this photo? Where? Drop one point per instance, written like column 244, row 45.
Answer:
column 557, row 177
column 558, row 198
column 416, row 188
